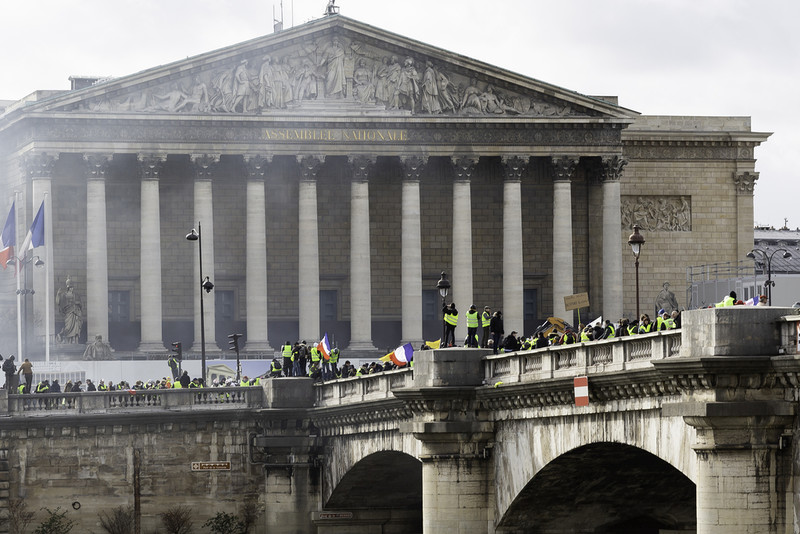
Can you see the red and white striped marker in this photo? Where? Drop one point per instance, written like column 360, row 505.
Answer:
column 581, row 384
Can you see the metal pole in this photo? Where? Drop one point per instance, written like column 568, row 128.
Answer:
column 202, row 311
column 47, row 284
column 637, row 288
column 442, row 343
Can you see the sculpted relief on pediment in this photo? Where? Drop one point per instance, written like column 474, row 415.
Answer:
column 333, row 72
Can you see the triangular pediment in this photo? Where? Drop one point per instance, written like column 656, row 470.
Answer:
column 333, row 67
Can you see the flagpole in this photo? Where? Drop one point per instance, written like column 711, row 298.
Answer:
column 17, row 266
column 46, row 283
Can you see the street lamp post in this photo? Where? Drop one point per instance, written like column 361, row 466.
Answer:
column 636, row 240
column 443, row 285
column 768, row 260
column 205, row 285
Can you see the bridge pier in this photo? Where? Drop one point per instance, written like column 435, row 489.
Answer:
column 456, row 492
column 743, row 481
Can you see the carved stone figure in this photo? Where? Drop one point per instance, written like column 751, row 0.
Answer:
column 662, row 213
column 98, row 349
column 333, row 61
column 71, row 308
column 363, row 88
column 242, row 88
column 430, row 90
column 666, row 300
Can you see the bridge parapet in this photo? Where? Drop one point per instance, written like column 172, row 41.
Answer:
column 366, row 388
column 110, row 402
column 620, row 354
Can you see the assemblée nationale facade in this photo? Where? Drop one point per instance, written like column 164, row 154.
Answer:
column 335, row 171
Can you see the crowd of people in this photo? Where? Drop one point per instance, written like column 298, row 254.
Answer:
column 301, row 359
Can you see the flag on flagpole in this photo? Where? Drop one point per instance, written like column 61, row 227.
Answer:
column 35, row 237
column 9, row 237
column 402, row 355
column 325, row 347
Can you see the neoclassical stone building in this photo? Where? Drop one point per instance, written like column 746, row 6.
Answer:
column 335, row 170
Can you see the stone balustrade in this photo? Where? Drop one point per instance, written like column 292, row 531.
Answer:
column 625, row 353
column 133, row 401
column 363, row 388
column 619, row 354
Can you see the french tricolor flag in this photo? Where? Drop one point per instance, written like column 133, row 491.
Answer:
column 402, row 355
column 325, row 347
column 8, row 239
column 35, row 237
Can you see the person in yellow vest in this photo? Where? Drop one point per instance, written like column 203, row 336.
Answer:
column 451, row 321
column 286, row 352
column 333, row 363
column 609, row 332
column 486, row 322
column 645, row 326
column 472, row 327
column 727, row 301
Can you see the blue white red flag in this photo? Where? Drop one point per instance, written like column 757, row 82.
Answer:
column 751, row 302
column 402, row 355
column 35, row 237
column 325, row 347
column 8, row 239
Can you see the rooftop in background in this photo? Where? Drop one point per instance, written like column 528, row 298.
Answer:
column 769, row 240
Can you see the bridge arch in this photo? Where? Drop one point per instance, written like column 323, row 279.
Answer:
column 602, row 488
column 383, row 490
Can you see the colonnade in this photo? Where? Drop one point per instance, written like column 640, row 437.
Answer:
column 39, row 169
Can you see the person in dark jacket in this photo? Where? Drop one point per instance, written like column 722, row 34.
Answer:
column 496, row 327
column 511, row 343
column 185, row 380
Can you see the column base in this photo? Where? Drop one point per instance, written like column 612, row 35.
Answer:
column 210, row 349
column 259, row 346
column 152, row 346
column 362, row 349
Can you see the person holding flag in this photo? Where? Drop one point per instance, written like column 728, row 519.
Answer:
column 324, row 350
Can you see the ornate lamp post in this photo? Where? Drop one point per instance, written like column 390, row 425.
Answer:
column 636, row 240
column 768, row 260
column 443, row 285
column 205, row 284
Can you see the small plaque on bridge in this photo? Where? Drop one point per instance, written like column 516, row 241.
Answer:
column 336, row 515
column 211, row 466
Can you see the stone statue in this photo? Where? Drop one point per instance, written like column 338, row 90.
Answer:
column 98, row 350
column 71, row 308
column 333, row 62
column 666, row 300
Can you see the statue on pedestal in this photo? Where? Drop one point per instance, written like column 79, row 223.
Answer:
column 98, row 350
column 71, row 308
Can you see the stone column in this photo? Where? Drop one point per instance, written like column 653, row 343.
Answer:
column 150, row 255
column 256, row 260
column 612, row 237
column 308, row 244
column 563, row 168
column 96, row 248
column 39, row 169
column 462, row 243
column 204, row 167
column 360, row 270
column 411, row 253
column 745, row 182
column 513, row 285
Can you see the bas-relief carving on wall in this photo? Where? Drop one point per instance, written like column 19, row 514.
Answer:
column 332, row 70
column 657, row 213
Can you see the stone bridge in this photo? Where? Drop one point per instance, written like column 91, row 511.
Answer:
column 687, row 431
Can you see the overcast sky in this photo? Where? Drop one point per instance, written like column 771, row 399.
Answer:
column 660, row 57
